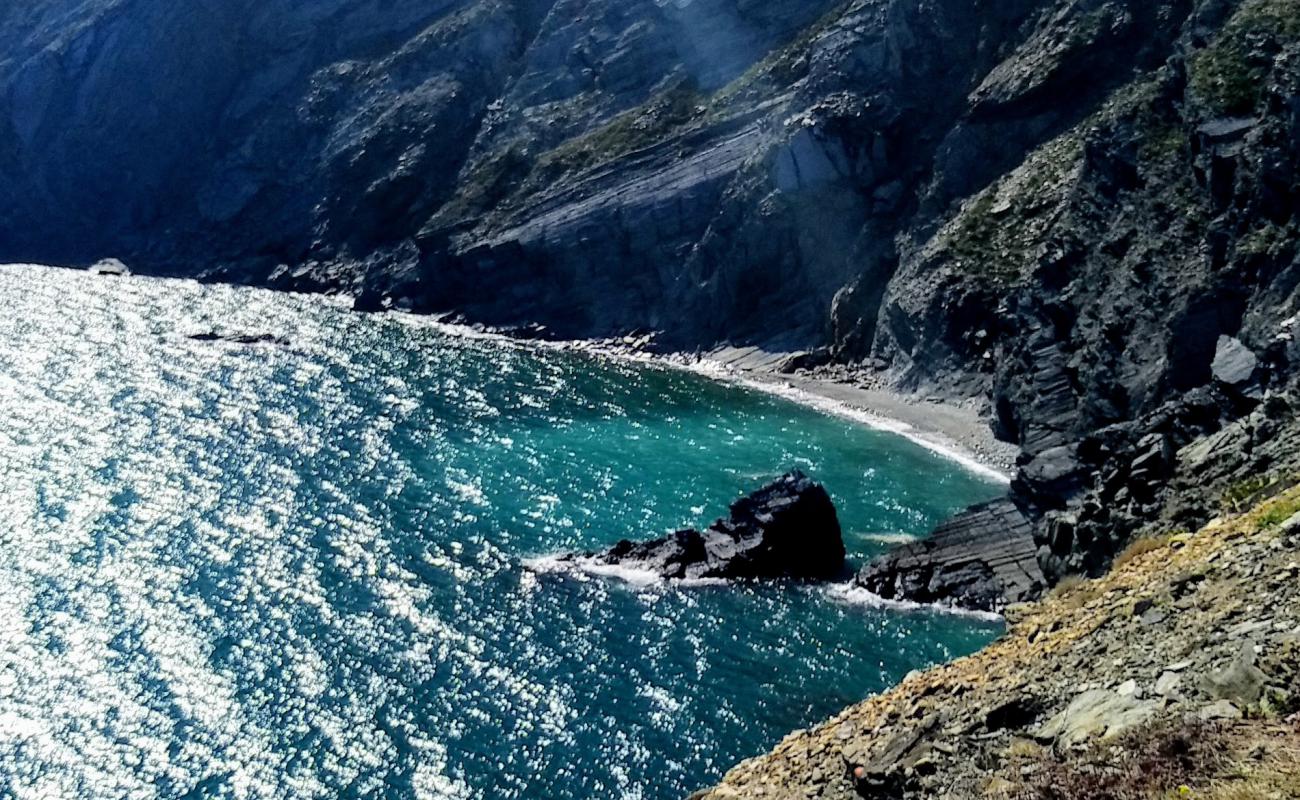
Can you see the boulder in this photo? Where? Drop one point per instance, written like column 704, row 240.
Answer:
column 1167, row 683
column 787, row 529
column 1234, row 362
column 809, row 359
column 1240, row 681
column 1219, row 710
column 1095, row 713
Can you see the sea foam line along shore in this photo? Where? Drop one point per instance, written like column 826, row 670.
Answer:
column 861, row 406
column 934, row 441
column 864, row 407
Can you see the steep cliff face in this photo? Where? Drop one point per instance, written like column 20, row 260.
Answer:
column 1082, row 211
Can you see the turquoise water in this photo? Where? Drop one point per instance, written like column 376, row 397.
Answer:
column 308, row 570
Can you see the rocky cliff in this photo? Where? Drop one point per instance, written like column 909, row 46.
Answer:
column 1082, row 213
column 1176, row 675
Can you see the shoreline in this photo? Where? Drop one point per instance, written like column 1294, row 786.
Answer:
column 948, row 430
column 952, row 431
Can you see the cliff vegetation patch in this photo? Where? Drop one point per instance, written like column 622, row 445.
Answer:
column 1231, row 72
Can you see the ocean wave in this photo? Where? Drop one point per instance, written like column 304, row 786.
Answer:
column 853, row 595
column 629, row 575
column 870, row 419
column 888, row 538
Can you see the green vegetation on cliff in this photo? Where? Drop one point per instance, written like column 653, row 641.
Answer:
column 640, row 127
column 1230, row 74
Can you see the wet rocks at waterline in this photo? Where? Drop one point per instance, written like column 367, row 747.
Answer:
column 983, row 558
column 787, row 529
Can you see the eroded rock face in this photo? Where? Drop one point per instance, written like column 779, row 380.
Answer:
column 787, row 529
column 982, row 559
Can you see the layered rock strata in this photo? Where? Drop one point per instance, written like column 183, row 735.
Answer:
column 984, row 558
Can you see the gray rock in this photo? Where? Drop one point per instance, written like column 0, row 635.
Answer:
column 1219, row 710
column 808, row 161
column 984, row 558
column 1096, row 713
column 1240, row 681
column 1167, row 683
column 1152, row 616
column 1234, row 363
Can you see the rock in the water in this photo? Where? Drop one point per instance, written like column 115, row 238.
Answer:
column 983, row 558
column 238, row 338
column 787, row 529
column 111, row 267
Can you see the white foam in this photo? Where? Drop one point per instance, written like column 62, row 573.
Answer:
column 888, row 538
column 629, row 575
column 718, row 371
column 850, row 594
column 871, row 419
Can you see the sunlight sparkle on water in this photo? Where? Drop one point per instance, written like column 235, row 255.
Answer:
column 302, row 570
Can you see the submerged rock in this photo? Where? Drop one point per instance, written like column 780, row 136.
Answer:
column 787, row 529
column 239, row 338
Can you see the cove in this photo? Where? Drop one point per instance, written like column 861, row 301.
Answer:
column 305, row 565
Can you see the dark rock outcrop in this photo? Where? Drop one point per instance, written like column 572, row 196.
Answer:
column 983, row 559
column 787, row 529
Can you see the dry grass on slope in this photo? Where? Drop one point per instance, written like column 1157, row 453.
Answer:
column 1149, row 645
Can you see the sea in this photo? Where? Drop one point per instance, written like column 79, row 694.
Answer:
column 319, row 562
